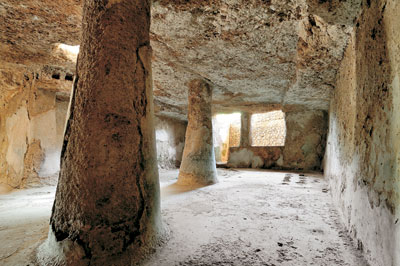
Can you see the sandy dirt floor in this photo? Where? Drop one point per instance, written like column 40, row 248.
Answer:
column 249, row 218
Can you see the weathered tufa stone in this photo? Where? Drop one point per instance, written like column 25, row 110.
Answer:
column 198, row 163
column 106, row 210
column 245, row 129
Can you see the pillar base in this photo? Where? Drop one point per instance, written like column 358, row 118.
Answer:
column 188, row 179
column 71, row 253
column 66, row 252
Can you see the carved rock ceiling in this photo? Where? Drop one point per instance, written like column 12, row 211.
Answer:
column 255, row 53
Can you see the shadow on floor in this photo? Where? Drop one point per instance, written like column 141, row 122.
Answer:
column 175, row 189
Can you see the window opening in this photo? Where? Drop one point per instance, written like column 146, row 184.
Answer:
column 268, row 129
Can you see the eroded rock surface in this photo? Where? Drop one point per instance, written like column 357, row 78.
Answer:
column 198, row 163
column 32, row 128
column 170, row 139
column 107, row 206
column 38, row 55
column 363, row 151
column 253, row 52
column 257, row 56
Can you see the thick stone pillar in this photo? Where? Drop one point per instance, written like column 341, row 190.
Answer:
column 245, row 130
column 198, row 162
column 106, row 210
column 305, row 139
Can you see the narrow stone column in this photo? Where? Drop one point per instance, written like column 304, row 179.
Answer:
column 106, row 210
column 198, row 162
column 245, row 130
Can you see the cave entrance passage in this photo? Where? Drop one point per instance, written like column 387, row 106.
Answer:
column 226, row 134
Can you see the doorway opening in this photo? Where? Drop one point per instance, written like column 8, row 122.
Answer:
column 226, row 134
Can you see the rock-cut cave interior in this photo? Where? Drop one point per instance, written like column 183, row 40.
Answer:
column 200, row 132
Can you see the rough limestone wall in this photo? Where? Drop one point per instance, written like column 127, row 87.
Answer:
column 31, row 127
column 362, row 156
column 12, row 85
column 255, row 157
column 170, row 140
column 106, row 208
